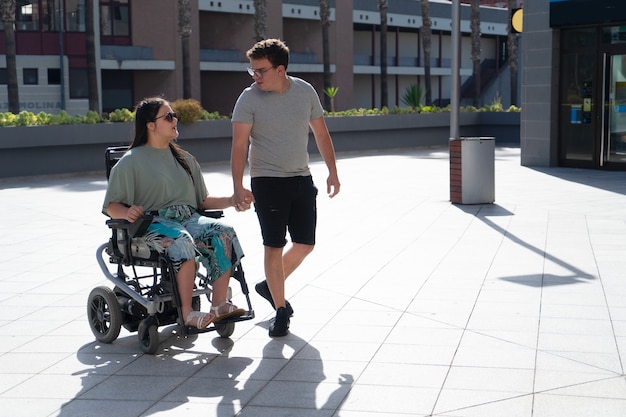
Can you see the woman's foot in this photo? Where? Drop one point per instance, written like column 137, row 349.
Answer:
column 225, row 310
column 199, row 320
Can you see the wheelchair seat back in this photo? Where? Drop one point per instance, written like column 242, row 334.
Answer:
column 112, row 155
column 127, row 238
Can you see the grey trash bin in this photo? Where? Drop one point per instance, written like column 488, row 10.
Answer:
column 472, row 170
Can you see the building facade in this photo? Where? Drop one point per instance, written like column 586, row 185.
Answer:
column 139, row 53
column 574, row 84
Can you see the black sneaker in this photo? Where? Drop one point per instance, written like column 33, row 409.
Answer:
column 264, row 291
column 279, row 326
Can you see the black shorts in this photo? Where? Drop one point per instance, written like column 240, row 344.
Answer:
column 283, row 204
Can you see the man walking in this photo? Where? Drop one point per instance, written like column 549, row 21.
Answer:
column 272, row 118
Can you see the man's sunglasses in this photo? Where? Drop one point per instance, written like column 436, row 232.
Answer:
column 169, row 116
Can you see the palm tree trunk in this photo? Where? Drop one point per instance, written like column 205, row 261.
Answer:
column 426, row 43
column 325, row 21
column 8, row 20
column 384, row 92
column 260, row 20
column 90, row 46
column 184, row 30
column 476, row 52
column 512, row 48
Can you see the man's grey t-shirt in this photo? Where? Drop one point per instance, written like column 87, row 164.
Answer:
column 280, row 128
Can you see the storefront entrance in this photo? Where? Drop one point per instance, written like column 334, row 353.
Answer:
column 613, row 150
column 592, row 129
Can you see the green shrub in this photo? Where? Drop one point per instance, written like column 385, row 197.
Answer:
column 43, row 118
column 187, row 110
column 63, row 118
column 414, row 96
column 212, row 116
column 92, row 117
column 121, row 116
column 7, row 119
column 496, row 105
column 25, row 118
column 332, row 92
column 190, row 111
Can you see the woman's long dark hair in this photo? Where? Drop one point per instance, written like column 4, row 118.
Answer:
column 145, row 112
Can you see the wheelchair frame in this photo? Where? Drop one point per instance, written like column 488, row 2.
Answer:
column 144, row 301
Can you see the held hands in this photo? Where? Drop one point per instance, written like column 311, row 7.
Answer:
column 242, row 199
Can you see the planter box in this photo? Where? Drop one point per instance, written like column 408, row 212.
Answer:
column 63, row 149
column 44, row 150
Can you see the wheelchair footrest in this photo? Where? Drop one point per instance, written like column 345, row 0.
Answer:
column 248, row 315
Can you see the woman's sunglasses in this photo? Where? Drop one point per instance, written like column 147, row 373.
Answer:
column 169, row 116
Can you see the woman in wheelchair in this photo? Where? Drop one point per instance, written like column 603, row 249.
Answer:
column 156, row 176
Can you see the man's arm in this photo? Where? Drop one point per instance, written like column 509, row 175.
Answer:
column 239, row 151
column 327, row 150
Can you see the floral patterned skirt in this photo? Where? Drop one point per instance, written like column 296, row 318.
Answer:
column 181, row 233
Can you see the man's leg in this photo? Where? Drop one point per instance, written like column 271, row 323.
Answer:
column 279, row 266
column 275, row 275
column 291, row 260
column 294, row 257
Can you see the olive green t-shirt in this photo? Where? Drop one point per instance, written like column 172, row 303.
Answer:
column 152, row 178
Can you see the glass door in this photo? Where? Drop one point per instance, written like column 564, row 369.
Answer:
column 613, row 147
column 579, row 90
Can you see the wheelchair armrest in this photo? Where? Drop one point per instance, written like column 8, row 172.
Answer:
column 216, row 214
column 136, row 228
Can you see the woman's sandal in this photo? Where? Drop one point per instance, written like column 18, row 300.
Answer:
column 232, row 310
column 200, row 316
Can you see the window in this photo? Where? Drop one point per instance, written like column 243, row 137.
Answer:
column 75, row 15
column 114, row 18
column 31, row 76
column 54, row 76
column 78, row 83
column 50, row 19
column 4, row 76
column 74, row 11
column 27, row 15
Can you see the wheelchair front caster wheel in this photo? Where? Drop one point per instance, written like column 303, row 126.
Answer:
column 148, row 334
column 104, row 314
column 225, row 330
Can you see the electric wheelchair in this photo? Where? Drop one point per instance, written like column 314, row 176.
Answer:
column 145, row 294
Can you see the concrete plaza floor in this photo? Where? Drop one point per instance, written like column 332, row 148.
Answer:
column 409, row 306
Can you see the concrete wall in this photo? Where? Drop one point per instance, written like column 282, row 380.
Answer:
column 66, row 149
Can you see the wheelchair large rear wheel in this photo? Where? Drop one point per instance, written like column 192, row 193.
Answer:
column 104, row 314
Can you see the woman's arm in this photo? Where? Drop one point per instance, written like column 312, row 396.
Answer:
column 217, row 203
column 122, row 211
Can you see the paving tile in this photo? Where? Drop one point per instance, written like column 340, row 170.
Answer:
column 121, row 387
column 386, row 399
column 549, row 405
column 95, row 407
column 469, row 403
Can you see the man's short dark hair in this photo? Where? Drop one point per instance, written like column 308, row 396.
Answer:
column 275, row 50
